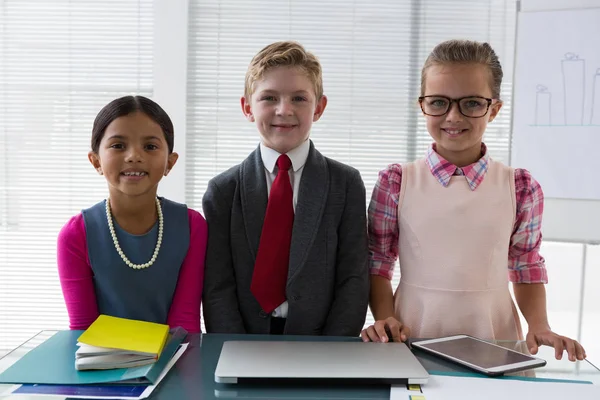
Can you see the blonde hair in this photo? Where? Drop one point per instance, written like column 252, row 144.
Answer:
column 465, row 52
column 284, row 54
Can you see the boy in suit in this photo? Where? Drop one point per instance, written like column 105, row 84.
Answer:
column 287, row 246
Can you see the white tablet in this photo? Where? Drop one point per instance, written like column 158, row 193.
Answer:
column 479, row 355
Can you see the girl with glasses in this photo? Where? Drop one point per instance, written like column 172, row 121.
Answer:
column 459, row 222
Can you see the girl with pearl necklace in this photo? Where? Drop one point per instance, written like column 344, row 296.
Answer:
column 133, row 255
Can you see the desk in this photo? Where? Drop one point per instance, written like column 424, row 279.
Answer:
column 193, row 375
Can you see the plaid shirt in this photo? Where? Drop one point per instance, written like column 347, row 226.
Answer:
column 525, row 264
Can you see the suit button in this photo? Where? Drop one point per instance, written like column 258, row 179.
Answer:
column 296, row 298
column 263, row 314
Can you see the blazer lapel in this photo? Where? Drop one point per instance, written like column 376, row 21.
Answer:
column 312, row 197
column 254, row 198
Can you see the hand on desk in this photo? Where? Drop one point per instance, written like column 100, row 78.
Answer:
column 544, row 336
column 381, row 329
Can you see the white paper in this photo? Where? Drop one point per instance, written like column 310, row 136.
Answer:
column 145, row 394
column 556, row 114
column 461, row 388
column 167, row 368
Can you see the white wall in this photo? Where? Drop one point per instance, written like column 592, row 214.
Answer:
column 170, row 83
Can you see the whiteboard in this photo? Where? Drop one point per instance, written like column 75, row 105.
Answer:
column 556, row 113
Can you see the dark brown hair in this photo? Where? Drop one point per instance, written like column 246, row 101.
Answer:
column 124, row 106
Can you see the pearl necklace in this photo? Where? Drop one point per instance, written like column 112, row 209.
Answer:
column 116, row 241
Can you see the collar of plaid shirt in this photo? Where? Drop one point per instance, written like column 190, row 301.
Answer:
column 443, row 169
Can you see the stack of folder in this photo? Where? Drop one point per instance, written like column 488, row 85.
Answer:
column 53, row 362
column 112, row 342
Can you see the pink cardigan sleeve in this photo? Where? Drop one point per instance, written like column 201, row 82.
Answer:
column 185, row 308
column 75, row 273
column 76, row 276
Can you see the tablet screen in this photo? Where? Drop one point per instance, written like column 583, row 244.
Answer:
column 477, row 352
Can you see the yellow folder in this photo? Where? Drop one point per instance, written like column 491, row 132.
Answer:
column 139, row 337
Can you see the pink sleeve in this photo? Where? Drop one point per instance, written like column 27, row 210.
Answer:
column 76, row 276
column 185, row 308
column 383, row 222
column 525, row 264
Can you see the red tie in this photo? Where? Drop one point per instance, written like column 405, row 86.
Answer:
column 273, row 257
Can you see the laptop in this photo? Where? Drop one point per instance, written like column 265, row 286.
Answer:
column 317, row 362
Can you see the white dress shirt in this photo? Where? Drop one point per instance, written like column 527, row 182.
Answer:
column 298, row 157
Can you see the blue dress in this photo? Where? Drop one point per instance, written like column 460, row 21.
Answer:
column 143, row 294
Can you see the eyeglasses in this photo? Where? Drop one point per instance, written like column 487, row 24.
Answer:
column 472, row 107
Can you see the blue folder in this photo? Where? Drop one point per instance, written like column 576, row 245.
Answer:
column 53, row 362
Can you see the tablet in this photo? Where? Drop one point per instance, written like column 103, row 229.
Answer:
column 479, row 355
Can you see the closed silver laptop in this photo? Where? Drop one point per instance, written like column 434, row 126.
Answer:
column 343, row 362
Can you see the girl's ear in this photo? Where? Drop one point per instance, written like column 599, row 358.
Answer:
column 95, row 161
column 171, row 162
column 495, row 109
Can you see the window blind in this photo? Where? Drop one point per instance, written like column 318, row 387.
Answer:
column 60, row 62
column 371, row 53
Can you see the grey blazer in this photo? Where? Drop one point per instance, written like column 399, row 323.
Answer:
column 328, row 282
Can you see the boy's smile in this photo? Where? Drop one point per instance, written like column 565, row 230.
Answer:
column 284, row 127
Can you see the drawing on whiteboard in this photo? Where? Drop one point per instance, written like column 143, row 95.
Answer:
column 543, row 106
column 573, row 72
column 595, row 114
column 573, row 88
column 556, row 108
